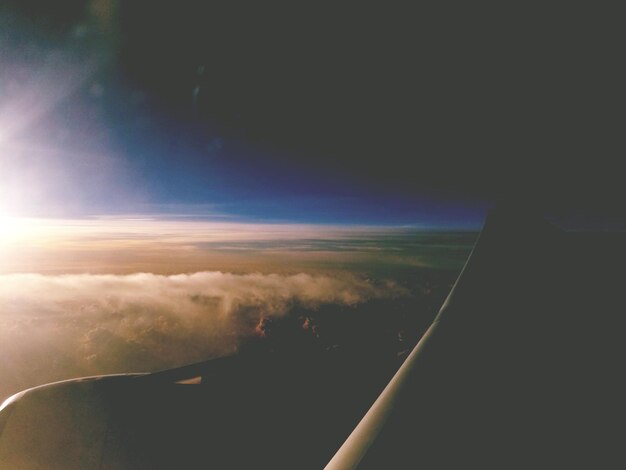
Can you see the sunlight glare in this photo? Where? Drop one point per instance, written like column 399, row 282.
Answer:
column 11, row 229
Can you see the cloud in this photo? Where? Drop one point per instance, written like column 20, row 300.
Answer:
column 164, row 246
column 55, row 327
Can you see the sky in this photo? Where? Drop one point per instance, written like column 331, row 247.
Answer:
column 170, row 168
column 100, row 118
column 363, row 116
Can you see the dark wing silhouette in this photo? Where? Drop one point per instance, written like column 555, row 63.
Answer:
column 520, row 368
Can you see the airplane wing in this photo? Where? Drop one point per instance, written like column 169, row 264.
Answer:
column 521, row 368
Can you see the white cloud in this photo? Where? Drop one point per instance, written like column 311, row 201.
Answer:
column 54, row 327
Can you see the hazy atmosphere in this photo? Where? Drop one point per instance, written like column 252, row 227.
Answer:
column 180, row 182
column 172, row 191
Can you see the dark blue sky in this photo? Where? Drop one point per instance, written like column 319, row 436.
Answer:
column 236, row 179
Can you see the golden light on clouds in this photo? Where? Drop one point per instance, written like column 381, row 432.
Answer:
column 54, row 327
column 142, row 244
column 115, row 294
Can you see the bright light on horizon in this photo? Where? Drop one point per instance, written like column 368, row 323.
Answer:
column 11, row 228
column 125, row 245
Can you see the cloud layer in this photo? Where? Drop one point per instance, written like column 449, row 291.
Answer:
column 124, row 246
column 54, row 327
